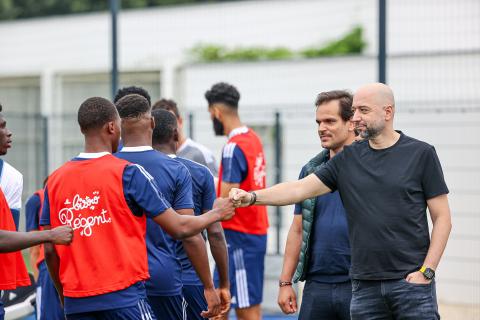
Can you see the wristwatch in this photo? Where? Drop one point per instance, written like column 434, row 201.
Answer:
column 428, row 273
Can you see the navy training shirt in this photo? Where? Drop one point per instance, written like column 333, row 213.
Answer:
column 203, row 190
column 329, row 246
column 142, row 196
column 234, row 164
column 32, row 212
column 175, row 183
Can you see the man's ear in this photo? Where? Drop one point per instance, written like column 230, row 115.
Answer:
column 110, row 127
column 351, row 126
column 152, row 122
column 217, row 113
column 176, row 135
column 389, row 112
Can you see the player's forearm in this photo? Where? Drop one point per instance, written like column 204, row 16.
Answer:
column 279, row 195
column 197, row 253
column 53, row 264
column 440, row 233
column 292, row 252
column 33, row 254
column 291, row 192
column 218, row 247
column 192, row 225
column 13, row 241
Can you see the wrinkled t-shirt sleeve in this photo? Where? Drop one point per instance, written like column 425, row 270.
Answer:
column 328, row 173
column 433, row 182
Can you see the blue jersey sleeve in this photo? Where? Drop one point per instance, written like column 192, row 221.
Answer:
column 234, row 164
column 45, row 216
column 209, row 194
column 298, row 206
column 183, row 198
column 142, row 193
column 32, row 212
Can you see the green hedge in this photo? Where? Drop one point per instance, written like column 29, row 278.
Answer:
column 350, row 43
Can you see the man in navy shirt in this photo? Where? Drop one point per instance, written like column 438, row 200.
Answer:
column 48, row 305
column 175, row 182
column 100, row 125
column 165, row 139
column 187, row 148
column 326, row 259
column 386, row 182
column 243, row 165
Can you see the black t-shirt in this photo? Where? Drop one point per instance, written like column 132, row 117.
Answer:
column 384, row 193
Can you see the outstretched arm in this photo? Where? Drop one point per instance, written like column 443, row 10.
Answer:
column 13, row 241
column 281, row 194
column 180, row 227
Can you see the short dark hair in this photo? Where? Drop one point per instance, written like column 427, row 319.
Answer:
column 132, row 106
column 165, row 126
column 125, row 91
column 95, row 112
column 223, row 93
column 344, row 98
column 167, row 104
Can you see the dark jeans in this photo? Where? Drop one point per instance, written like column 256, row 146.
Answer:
column 393, row 299
column 326, row 301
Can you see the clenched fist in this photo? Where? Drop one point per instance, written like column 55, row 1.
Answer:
column 61, row 235
column 240, row 198
column 227, row 211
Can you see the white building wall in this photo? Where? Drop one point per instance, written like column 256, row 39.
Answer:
column 149, row 38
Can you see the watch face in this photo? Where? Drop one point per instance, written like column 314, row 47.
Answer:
column 429, row 274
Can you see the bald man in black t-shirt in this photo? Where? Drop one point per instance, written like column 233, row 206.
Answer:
column 386, row 183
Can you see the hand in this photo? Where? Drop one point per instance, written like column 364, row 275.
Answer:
column 225, row 300
column 240, row 198
column 61, row 235
column 287, row 300
column 417, row 277
column 227, row 211
column 213, row 302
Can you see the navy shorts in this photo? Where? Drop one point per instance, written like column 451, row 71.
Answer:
column 141, row 311
column 246, row 255
column 48, row 304
column 196, row 302
column 2, row 310
column 169, row 307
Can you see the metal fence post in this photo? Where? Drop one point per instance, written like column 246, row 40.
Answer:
column 114, row 5
column 46, row 148
column 382, row 41
column 190, row 124
column 278, row 175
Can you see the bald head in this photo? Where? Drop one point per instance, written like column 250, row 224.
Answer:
column 374, row 109
column 378, row 93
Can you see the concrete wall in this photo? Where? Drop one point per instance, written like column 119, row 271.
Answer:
column 151, row 38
